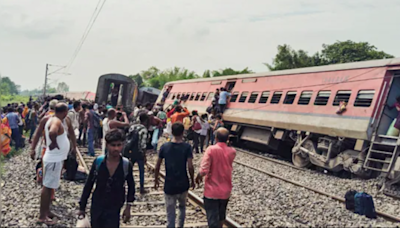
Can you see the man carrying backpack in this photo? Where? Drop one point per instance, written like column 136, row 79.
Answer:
column 109, row 172
column 135, row 148
column 89, row 122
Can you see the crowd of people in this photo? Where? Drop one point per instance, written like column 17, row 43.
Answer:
column 57, row 126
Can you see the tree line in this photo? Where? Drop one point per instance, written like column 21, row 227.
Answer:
column 286, row 58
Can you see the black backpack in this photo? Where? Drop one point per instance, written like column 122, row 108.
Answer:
column 349, row 197
column 132, row 149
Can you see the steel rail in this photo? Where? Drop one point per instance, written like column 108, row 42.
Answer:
column 337, row 198
column 195, row 200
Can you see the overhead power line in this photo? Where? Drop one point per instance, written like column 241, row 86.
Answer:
column 89, row 26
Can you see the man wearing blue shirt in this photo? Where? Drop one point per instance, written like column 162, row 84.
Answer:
column 223, row 97
column 13, row 121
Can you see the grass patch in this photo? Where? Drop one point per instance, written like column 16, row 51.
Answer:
column 8, row 99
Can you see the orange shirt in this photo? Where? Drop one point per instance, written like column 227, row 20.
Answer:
column 179, row 116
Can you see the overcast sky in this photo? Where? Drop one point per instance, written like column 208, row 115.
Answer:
column 132, row 35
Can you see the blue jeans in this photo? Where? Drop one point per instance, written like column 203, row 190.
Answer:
column 91, row 141
column 170, row 204
column 141, row 171
column 212, row 137
column 16, row 136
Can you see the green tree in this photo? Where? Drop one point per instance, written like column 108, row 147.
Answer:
column 8, row 86
column 339, row 52
column 62, row 87
column 349, row 51
column 138, row 79
column 230, row 71
column 156, row 78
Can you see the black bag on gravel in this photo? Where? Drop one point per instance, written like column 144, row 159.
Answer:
column 72, row 167
column 349, row 197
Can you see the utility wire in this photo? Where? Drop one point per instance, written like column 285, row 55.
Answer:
column 88, row 28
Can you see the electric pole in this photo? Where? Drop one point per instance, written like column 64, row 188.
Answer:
column 54, row 72
column 45, row 80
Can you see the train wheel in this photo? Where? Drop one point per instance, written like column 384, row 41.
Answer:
column 302, row 160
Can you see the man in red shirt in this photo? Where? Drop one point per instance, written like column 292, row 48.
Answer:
column 216, row 166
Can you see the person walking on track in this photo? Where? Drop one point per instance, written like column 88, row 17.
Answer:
column 178, row 157
column 57, row 149
column 110, row 123
column 136, row 146
column 89, row 122
column 109, row 172
column 216, row 166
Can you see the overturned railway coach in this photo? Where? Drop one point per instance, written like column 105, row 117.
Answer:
column 305, row 109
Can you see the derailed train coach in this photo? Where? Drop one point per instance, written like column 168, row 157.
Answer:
column 126, row 90
column 128, row 93
column 334, row 116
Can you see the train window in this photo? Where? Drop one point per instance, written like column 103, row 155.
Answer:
column 197, row 97
column 364, row 98
column 276, row 97
column 290, row 96
column 173, row 96
column 264, row 97
column 322, row 98
column 192, row 96
column 203, row 97
column 305, row 98
column 243, row 97
column 253, row 97
column 341, row 95
column 178, row 96
column 234, row 96
column 210, row 96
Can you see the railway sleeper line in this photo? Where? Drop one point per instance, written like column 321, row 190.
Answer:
column 150, row 207
column 384, row 215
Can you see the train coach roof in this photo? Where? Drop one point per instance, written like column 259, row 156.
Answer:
column 333, row 67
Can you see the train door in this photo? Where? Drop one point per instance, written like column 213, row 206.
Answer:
column 389, row 114
column 230, row 85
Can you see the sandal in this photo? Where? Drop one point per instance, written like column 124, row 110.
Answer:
column 47, row 221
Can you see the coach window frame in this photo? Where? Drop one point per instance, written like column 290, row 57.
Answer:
column 210, row 96
column 305, row 92
column 364, row 91
column 241, row 96
column 262, row 97
column 319, row 96
column 235, row 95
column 192, row 96
column 251, row 99
column 290, row 100
column 203, row 96
column 276, row 93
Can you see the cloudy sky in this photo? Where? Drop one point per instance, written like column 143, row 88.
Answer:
column 133, row 35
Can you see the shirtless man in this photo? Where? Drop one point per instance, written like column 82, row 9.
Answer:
column 57, row 148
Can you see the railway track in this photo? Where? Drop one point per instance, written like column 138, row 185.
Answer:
column 384, row 215
column 148, row 209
